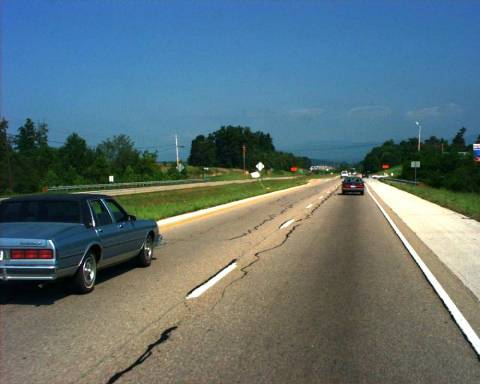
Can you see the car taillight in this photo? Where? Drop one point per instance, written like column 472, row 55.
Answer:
column 17, row 254
column 31, row 254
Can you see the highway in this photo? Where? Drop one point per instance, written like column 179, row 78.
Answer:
column 319, row 290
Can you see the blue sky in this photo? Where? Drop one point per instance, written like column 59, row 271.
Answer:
column 325, row 79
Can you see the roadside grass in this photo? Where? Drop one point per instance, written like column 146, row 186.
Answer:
column 465, row 203
column 159, row 205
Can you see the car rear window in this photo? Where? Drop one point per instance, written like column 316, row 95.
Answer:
column 40, row 211
column 353, row 180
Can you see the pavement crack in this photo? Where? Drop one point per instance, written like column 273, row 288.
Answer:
column 255, row 228
column 145, row 355
column 256, row 255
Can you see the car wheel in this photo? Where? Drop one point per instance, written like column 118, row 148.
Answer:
column 146, row 254
column 84, row 279
column 361, row 193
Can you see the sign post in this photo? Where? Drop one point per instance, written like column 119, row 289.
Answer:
column 415, row 165
column 259, row 166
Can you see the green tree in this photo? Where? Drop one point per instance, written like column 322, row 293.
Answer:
column 120, row 152
column 224, row 148
column 203, row 151
column 458, row 142
column 6, row 182
column 76, row 154
column 32, row 157
column 26, row 138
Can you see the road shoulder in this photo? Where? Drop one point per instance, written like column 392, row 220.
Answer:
column 461, row 294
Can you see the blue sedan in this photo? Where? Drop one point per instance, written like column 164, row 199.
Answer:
column 47, row 237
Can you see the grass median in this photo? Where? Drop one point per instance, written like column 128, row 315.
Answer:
column 465, row 203
column 159, row 205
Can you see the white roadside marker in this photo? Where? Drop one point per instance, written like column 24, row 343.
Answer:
column 210, row 283
column 287, row 223
column 462, row 323
column 309, row 206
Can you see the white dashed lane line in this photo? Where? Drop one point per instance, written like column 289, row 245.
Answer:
column 287, row 223
column 211, row 282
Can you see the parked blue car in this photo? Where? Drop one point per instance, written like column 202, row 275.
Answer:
column 46, row 237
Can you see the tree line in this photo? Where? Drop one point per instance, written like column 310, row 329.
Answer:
column 28, row 163
column 227, row 146
column 443, row 163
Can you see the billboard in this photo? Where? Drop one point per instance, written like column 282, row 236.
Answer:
column 476, row 152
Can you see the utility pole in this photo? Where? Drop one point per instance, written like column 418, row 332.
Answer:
column 244, row 150
column 419, row 133
column 176, row 149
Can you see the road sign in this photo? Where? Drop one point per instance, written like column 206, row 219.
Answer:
column 385, row 166
column 476, row 152
column 111, row 179
column 260, row 166
column 255, row 175
column 180, row 167
column 415, row 164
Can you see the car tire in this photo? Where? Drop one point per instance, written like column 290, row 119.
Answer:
column 146, row 254
column 361, row 193
column 84, row 279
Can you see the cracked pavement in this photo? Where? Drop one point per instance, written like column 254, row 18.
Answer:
column 53, row 328
column 323, row 300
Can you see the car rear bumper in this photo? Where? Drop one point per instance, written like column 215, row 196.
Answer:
column 346, row 190
column 28, row 272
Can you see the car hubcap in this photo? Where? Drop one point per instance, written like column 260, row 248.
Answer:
column 89, row 271
column 148, row 248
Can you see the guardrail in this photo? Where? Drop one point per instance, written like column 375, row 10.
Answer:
column 403, row 181
column 66, row 188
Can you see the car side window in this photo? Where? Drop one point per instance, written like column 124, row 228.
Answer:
column 100, row 213
column 117, row 211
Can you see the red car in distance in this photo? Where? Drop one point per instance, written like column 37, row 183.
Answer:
column 353, row 184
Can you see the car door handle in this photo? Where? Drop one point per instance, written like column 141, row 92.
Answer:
column 120, row 225
column 99, row 230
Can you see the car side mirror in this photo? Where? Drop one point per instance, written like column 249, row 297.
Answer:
column 132, row 218
column 89, row 224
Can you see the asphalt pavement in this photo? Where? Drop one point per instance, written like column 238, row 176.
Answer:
column 322, row 291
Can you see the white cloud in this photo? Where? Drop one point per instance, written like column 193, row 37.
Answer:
column 435, row 111
column 370, row 111
column 306, row 112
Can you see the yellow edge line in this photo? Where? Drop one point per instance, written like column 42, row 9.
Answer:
column 223, row 210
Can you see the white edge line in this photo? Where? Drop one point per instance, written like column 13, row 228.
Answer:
column 462, row 323
column 287, row 223
column 210, row 283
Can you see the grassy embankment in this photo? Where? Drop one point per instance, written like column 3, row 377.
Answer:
column 158, row 205
column 465, row 203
